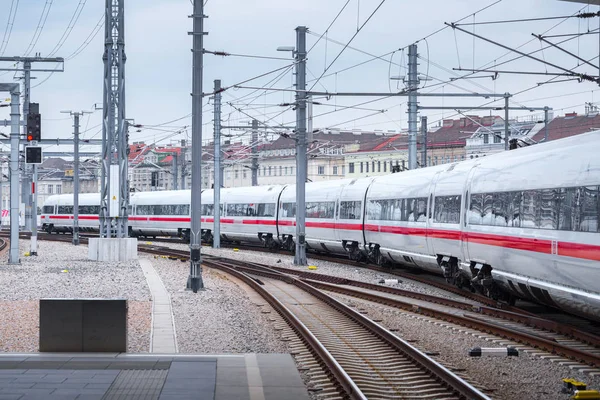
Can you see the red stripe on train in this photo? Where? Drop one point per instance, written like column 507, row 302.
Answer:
column 578, row 250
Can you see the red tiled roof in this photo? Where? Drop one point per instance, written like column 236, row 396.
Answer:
column 562, row 127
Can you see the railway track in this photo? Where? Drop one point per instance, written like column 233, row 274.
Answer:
column 520, row 327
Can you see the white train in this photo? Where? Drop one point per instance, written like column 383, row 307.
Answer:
column 524, row 223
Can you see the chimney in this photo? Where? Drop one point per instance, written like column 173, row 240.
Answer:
column 570, row 115
column 448, row 123
column 487, row 121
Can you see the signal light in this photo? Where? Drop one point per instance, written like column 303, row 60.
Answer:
column 34, row 127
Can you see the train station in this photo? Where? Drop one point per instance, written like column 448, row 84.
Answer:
column 344, row 204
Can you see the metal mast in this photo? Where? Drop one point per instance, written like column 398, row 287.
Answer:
column 217, row 168
column 195, row 279
column 114, row 199
column 412, row 86
column 424, row 139
column 254, row 144
column 301, row 146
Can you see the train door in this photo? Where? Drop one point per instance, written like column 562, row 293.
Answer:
column 430, row 209
column 465, row 207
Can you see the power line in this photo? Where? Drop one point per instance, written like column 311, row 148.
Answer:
column 14, row 5
column 39, row 28
column 70, row 26
column 88, row 39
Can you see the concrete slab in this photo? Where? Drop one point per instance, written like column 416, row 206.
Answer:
column 112, row 249
column 152, row 376
column 163, row 337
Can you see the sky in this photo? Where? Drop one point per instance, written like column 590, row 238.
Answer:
column 159, row 69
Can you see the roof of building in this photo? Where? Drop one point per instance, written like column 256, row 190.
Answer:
column 55, row 163
column 455, row 132
column 569, row 125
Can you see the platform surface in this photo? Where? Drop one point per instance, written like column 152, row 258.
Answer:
column 107, row 376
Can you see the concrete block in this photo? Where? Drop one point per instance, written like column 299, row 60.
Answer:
column 112, row 249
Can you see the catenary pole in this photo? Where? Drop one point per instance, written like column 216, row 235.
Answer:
column 254, row 145
column 217, row 167
column 183, row 164
column 195, row 282
column 301, row 147
column 413, row 85
column 174, row 171
column 26, row 178
column 546, row 123
column 424, row 139
column 15, row 117
column 76, row 179
column 506, row 124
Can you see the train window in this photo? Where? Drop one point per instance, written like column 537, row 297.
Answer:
column 48, row 210
column 567, row 200
column 501, row 209
column 487, row 217
column 350, row 209
column 447, row 209
column 417, row 209
column 238, row 210
column 207, row 209
column 515, row 199
column 529, row 209
column 266, row 210
column 65, row 209
column 475, row 212
column 320, row 209
column 288, row 210
column 549, row 206
column 590, row 210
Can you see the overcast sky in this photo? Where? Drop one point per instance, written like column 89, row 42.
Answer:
column 158, row 68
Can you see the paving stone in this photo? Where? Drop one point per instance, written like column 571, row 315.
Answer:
column 287, row 393
column 283, row 377
column 232, row 393
column 232, row 376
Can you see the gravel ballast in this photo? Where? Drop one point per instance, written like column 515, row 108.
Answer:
column 523, row 377
column 62, row 270
column 220, row 319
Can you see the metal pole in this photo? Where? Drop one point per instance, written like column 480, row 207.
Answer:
column 506, row 125
column 301, row 147
column 122, row 126
column 195, row 279
column 254, row 145
column 424, row 144
column 217, row 167
column 174, row 172
column 76, row 180
column 183, row 164
column 413, row 85
column 15, row 117
column 546, row 123
column 27, row 186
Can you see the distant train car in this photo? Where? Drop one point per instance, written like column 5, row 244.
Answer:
column 57, row 213
column 159, row 213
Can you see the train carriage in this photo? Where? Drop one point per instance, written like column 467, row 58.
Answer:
column 159, row 213
column 57, row 213
column 532, row 223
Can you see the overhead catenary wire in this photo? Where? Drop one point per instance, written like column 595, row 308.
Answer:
column 14, row 5
column 69, row 29
column 39, row 28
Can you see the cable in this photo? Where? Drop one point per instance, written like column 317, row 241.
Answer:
column 349, row 41
column 39, row 28
column 328, row 27
column 67, row 32
column 9, row 25
column 88, row 39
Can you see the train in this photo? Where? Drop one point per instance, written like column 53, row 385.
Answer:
column 518, row 224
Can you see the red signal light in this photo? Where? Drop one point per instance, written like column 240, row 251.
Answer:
column 29, row 138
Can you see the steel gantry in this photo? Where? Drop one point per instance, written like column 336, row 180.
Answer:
column 114, row 191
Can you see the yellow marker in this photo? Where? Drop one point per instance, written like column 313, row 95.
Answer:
column 312, row 267
column 65, row 271
column 149, row 243
column 236, row 249
column 27, row 254
column 586, row 394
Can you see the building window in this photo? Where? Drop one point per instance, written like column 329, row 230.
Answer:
column 335, row 170
column 486, row 138
column 286, row 170
column 343, row 170
column 280, row 170
column 244, row 175
column 235, row 174
column 361, row 167
column 50, row 189
column 462, row 157
column 351, row 168
column 497, row 138
column 403, row 165
column 321, row 170
column 378, row 166
column 435, row 160
column 264, row 171
column 58, row 189
column 373, row 166
column 367, row 163
column 291, row 170
column 429, row 160
column 269, row 171
column 384, row 166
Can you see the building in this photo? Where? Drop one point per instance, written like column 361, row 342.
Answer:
column 490, row 139
column 89, row 177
